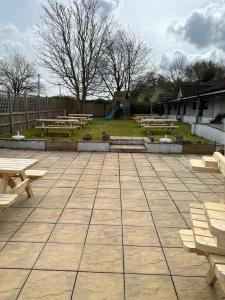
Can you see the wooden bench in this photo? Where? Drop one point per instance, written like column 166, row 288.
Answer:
column 33, row 175
column 7, row 199
column 46, row 128
column 57, row 124
column 167, row 127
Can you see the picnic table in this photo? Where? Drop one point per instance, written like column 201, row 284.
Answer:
column 207, row 236
column 68, row 124
column 15, row 167
column 167, row 124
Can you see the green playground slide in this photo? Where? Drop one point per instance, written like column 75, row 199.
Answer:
column 112, row 113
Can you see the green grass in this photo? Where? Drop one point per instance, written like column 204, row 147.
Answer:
column 113, row 128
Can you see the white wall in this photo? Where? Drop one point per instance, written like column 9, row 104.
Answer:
column 169, row 116
column 210, row 133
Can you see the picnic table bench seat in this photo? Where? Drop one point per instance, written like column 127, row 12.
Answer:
column 160, row 126
column 47, row 127
column 35, row 174
column 7, row 200
column 210, row 164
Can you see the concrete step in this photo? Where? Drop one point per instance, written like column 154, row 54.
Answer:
column 199, row 166
column 127, row 148
column 123, row 140
column 210, row 162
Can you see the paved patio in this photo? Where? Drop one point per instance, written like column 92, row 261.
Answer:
column 105, row 226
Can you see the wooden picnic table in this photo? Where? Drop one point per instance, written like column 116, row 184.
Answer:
column 11, row 167
column 68, row 124
column 207, row 236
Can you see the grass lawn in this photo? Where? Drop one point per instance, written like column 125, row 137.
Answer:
column 114, row 128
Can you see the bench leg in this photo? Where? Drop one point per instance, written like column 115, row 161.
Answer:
column 11, row 183
column 27, row 188
column 3, row 184
column 211, row 276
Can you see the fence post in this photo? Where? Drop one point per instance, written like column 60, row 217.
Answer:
column 11, row 112
column 26, row 111
column 47, row 107
column 39, row 114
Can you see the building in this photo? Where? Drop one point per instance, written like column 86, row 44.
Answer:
column 194, row 103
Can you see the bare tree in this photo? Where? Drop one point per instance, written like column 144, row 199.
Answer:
column 177, row 69
column 202, row 71
column 125, row 59
column 72, row 39
column 17, row 74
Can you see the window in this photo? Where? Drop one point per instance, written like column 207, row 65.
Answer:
column 205, row 105
column 194, row 105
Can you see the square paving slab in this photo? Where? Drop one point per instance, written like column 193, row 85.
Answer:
column 104, row 226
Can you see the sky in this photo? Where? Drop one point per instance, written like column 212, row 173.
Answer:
column 195, row 28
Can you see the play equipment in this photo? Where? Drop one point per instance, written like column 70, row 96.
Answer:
column 120, row 106
column 112, row 113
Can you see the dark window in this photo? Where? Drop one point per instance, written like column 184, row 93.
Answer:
column 205, row 105
column 194, row 105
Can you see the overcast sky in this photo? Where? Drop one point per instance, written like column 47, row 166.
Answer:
column 193, row 27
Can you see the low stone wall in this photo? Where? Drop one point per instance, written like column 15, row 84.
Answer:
column 210, row 133
column 92, row 146
column 98, row 146
column 25, row 144
column 163, row 148
column 199, row 148
column 55, row 145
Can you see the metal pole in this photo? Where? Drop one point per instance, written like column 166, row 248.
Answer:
column 11, row 112
column 26, row 111
column 39, row 92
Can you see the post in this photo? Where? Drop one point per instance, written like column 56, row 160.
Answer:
column 39, row 88
column 47, row 106
column 26, row 110
column 11, row 112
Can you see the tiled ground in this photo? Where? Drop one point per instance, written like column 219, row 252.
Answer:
column 105, row 226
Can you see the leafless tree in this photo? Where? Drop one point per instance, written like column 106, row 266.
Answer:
column 72, row 38
column 201, row 71
column 177, row 69
column 17, row 74
column 125, row 59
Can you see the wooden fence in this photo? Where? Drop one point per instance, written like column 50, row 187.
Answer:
column 21, row 112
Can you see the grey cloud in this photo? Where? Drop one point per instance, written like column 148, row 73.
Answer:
column 13, row 38
column 107, row 7
column 203, row 28
column 167, row 58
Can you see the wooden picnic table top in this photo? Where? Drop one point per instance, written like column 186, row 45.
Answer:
column 56, row 120
column 159, row 120
column 81, row 115
column 15, row 165
column 73, row 118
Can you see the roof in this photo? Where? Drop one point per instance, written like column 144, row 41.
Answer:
column 167, row 97
column 214, row 85
column 192, row 90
